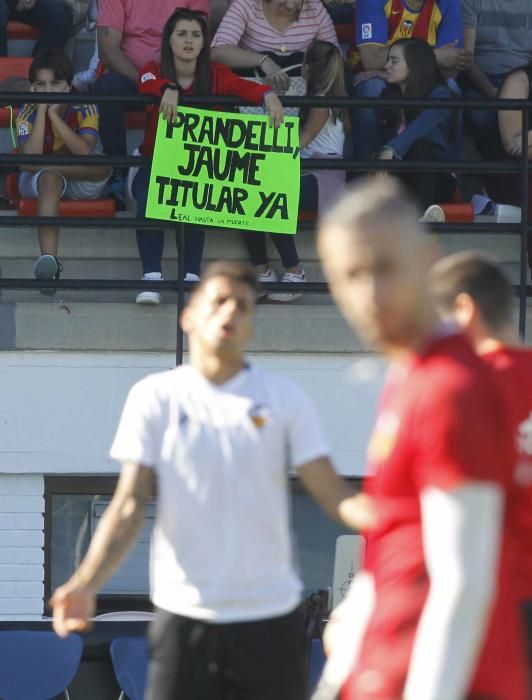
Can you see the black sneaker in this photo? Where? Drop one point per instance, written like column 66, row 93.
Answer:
column 48, row 267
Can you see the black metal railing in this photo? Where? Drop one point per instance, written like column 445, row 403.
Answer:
column 178, row 285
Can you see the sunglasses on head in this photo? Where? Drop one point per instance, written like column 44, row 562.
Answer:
column 199, row 13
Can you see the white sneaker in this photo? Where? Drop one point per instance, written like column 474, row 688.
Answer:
column 265, row 278
column 434, row 213
column 296, row 278
column 191, row 277
column 150, row 298
column 84, row 80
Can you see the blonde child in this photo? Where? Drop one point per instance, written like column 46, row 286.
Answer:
column 322, row 136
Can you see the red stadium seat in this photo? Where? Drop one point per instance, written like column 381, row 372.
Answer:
column 345, row 33
column 307, row 215
column 14, row 67
column 136, row 120
column 5, row 117
column 18, row 30
column 88, row 208
column 12, row 187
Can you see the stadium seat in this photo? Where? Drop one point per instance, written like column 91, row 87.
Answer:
column 19, row 30
column 345, row 33
column 307, row 216
column 130, row 663
column 125, row 615
column 316, row 663
column 14, row 67
column 37, row 665
column 89, row 208
column 136, row 120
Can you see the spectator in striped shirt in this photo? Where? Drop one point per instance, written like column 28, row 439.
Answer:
column 270, row 35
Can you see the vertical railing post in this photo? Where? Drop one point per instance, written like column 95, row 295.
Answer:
column 523, row 261
column 180, row 233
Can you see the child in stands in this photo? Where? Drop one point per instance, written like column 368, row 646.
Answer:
column 420, row 134
column 322, row 136
column 56, row 129
column 185, row 68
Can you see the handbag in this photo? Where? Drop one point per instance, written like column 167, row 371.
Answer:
column 297, row 88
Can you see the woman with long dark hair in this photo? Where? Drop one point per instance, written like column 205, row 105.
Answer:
column 420, row 134
column 186, row 68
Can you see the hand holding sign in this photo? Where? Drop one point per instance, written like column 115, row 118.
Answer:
column 168, row 106
column 275, row 109
column 222, row 169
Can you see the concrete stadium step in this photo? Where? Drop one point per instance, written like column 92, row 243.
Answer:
column 127, row 327
column 124, row 269
column 314, row 327
column 113, row 244
column 504, row 246
column 130, row 268
column 110, row 243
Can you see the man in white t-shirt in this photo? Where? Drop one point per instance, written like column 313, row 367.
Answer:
column 219, row 437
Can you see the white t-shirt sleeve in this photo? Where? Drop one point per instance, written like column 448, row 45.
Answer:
column 461, row 538
column 306, row 440
column 136, row 439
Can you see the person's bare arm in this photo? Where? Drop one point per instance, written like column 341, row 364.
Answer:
column 34, row 145
column 451, row 58
column 337, row 499
column 74, row 603
column 515, row 87
column 235, row 57
column 474, row 72
column 111, row 54
column 317, row 119
column 373, row 56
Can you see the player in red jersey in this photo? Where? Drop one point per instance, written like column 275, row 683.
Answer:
column 472, row 288
column 439, row 458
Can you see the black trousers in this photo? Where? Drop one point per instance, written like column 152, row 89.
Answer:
column 259, row 660
column 255, row 241
column 53, row 17
column 427, row 188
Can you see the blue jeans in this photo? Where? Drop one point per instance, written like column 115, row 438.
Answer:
column 53, row 17
column 151, row 241
column 366, row 134
column 112, row 126
column 483, row 123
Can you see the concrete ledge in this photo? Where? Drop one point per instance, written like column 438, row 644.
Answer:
column 111, row 244
column 309, row 327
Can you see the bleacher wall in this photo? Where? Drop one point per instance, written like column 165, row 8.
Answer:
column 58, row 414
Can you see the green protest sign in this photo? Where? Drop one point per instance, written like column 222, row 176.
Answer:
column 224, row 169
